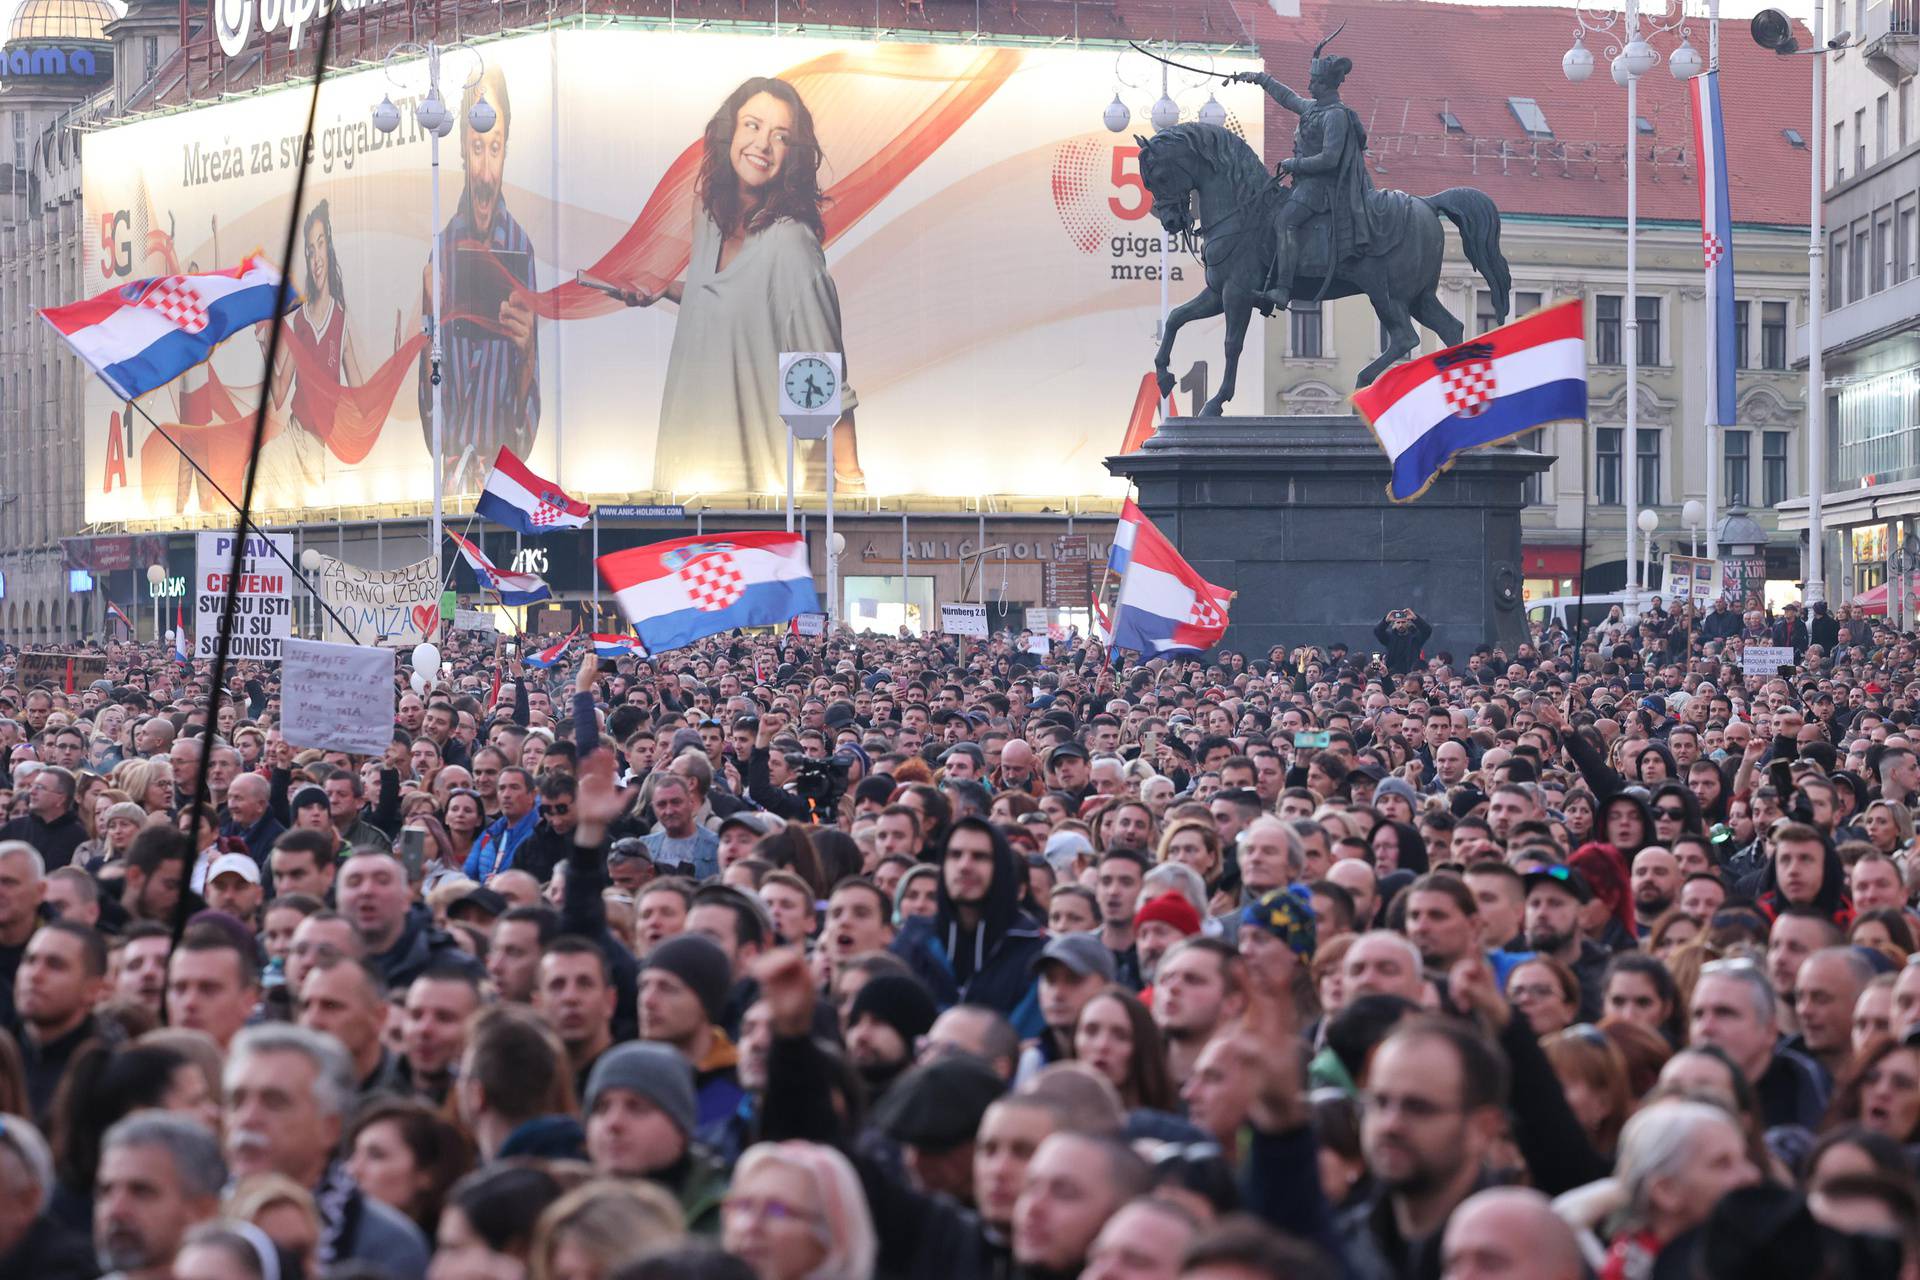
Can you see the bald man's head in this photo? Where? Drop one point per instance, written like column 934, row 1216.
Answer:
column 1509, row 1233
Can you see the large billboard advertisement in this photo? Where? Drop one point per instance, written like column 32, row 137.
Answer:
column 652, row 219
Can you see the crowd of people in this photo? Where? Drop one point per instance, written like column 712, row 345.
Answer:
column 870, row 957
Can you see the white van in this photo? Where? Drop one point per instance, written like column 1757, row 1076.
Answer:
column 1597, row 607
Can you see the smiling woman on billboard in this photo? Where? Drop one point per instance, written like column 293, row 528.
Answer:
column 756, row 285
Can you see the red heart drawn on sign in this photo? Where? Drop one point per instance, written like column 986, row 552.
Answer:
column 427, row 618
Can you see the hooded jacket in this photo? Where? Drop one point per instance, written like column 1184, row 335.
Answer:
column 990, row 963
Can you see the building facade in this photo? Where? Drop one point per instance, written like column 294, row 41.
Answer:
column 1871, row 320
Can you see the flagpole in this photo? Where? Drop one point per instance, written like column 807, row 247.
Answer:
column 245, row 519
column 595, row 573
column 1713, row 312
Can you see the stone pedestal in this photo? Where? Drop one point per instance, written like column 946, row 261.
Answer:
column 1293, row 514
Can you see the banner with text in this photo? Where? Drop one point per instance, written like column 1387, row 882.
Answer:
column 380, row 606
column 263, row 614
column 979, row 247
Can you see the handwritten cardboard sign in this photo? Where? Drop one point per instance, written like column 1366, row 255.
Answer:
column 338, row 697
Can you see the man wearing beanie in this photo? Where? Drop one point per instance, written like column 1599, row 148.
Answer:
column 641, row 1115
column 884, row 1024
column 683, row 997
column 1161, row 922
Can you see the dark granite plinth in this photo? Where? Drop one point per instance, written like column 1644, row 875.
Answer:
column 1292, row 513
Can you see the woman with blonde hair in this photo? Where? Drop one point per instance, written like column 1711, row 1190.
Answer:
column 148, row 782
column 592, row 1229
column 281, row 1208
column 1889, row 825
column 796, row 1211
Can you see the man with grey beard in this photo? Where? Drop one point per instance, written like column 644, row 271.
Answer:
column 160, row 1174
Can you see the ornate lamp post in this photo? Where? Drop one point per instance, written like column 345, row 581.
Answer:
column 436, row 119
column 1632, row 57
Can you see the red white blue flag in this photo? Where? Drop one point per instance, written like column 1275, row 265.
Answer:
column 143, row 335
column 115, row 611
column 552, row 653
column 512, row 588
column 606, row 646
column 180, row 637
column 519, row 499
column 1716, row 237
column 1508, row 381
column 675, row 592
column 1163, row 606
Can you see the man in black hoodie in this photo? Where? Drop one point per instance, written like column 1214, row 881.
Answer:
column 979, row 946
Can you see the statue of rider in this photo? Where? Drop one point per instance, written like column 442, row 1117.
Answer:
column 1329, row 172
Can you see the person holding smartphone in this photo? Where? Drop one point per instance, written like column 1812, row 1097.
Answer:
column 1402, row 634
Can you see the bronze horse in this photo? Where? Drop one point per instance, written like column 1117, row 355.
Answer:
column 1204, row 164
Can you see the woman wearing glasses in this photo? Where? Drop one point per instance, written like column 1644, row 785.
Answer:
column 796, row 1211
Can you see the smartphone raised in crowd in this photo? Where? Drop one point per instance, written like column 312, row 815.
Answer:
column 413, row 851
column 1312, row 738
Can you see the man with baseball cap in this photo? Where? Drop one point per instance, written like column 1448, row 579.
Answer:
column 1071, row 970
column 233, row 886
column 1555, row 895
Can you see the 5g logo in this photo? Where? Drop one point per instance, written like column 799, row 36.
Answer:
column 116, row 243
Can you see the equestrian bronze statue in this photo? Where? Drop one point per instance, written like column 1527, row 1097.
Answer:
column 1329, row 234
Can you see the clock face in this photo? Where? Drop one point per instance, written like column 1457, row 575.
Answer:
column 810, row 382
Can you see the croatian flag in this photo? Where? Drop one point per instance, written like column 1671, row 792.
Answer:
column 1163, row 606
column 512, row 588
column 676, row 592
column 551, row 654
column 519, row 499
column 1716, row 237
column 143, row 335
column 180, row 637
column 1121, row 552
column 1511, row 380
column 115, row 611
column 606, row 646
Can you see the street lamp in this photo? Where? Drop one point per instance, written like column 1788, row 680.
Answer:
column 1164, row 114
column 1772, row 30
column 156, row 574
column 436, row 119
column 1693, row 515
column 1648, row 520
column 310, row 565
column 1630, row 59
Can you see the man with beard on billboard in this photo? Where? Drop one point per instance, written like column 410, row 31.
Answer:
column 490, row 354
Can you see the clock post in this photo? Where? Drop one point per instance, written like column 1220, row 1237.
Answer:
column 810, row 396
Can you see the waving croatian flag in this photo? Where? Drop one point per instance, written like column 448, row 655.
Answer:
column 1163, row 606
column 180, row 637
column 512, row 588
column 1716, row 237
column 1121, row 552
column 676, row 592
column 552, row 653
column 145, row 334
column 519, row 499
column 115, row 611
column 1518, row 377
column 606, row 646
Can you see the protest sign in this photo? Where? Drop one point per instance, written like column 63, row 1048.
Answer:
column 338, row 697
column 263, row 612
column 1765, row 659
column 380, row 606
column 67, row 672
column 964, row 620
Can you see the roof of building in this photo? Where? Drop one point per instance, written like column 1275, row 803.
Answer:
column 1496, row 71
column 62, row 20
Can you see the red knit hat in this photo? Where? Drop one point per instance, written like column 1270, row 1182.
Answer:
column 1170, row 908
